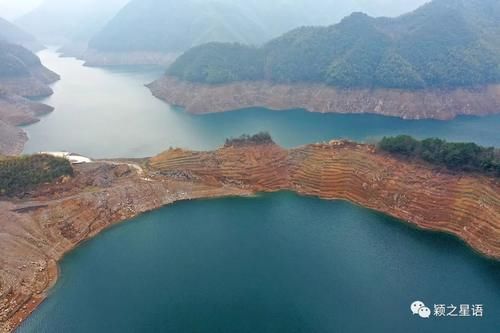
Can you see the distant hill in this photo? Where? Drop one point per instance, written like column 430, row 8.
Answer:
column 12, row 34
column 60, row 21
column 171, row 26
column 16, row 61
column 175, row 26
column 446, row 43
column 22, row 73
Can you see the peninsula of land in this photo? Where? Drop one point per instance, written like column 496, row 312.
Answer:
column 39, row 228
column 22, row 76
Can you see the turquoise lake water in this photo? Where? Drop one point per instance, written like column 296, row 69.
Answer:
column 275, row 263
column 110, row 113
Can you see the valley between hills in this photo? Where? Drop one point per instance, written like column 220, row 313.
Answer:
column 48, row 222
column 439, row 62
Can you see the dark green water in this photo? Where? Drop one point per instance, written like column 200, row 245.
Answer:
column 275, row 263
column 109, row 113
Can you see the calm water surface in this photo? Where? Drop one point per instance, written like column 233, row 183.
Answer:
column 275, row 263
column 109, row 113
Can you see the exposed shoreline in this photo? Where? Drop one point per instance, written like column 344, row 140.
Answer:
column 16, row 111
column 36, row 232
column 16, row 108
column 18, row 301
column 96, row 58
column 407, row 104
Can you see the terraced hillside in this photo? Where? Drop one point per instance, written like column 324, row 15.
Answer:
column 262, row 168
column 39, row 229
column 35, row 233
column 467, row 206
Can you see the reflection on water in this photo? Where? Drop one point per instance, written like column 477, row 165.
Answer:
column 108, row 112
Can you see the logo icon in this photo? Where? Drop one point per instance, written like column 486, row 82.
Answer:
column 419, row 308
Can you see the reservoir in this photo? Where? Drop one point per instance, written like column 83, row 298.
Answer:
column 108, row 112
column 274, row 263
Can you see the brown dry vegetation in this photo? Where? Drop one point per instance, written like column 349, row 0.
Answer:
column 37, row 231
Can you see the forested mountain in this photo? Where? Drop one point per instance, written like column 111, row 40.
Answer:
column 175, row 26
column 445, row 43
column 12, row 34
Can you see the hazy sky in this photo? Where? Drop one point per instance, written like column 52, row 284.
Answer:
column 11, row 9
column 14, row 8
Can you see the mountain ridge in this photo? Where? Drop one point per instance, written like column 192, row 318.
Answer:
column 172, row 28
column 438, row 62
column 12, row 34
column 445, row 43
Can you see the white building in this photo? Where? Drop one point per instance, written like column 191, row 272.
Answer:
column 73, row 158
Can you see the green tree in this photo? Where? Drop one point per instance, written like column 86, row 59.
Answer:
column 21, row 174
column 457, row 156
column 443, row 44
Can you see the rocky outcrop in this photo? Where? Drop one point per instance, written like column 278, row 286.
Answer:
column 12, row 139
column 33, row 85
column 465, row 205
column 36, row 232
column 17, row 111
column 15, row 107
column 407, row 104
column 100, row 58
column 29, row 87
column 258, row 167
